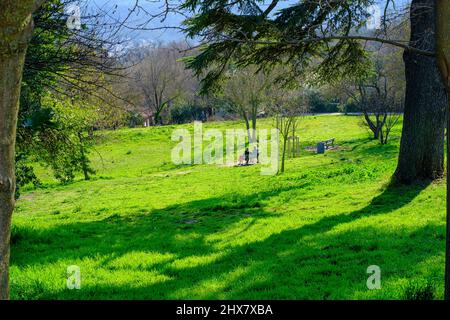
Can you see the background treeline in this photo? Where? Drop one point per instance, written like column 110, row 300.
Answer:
column 76, row 82
column 158, row 89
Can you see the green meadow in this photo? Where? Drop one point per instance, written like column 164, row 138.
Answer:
column 145, row 228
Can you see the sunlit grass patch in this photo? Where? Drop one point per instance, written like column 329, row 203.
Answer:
column 144, row 228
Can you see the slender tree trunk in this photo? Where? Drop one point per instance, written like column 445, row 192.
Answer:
column 386, row 135
column 294, row 144
column 384, row 132
column 378, row 127
column 422, row 143
column 443, row 60
column 283, row 156
column 247, row 126
column 381, row 135
column 254, row 115
column 371, row 125
column 84, row 159
column 157, row 118
column 15, row 31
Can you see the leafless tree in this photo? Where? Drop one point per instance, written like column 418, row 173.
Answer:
column 288, row 108
column 379, row 95
column 247, row 92
column 160, row 78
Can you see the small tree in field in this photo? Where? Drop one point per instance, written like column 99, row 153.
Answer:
column 288, row 108
column 71, row 150
column 159, row 79
column 247, row 92
column 379, row 94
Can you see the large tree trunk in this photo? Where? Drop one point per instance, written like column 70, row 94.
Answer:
column 422, row 144
column 9, row 92
column 15, row 32
column 247, row 126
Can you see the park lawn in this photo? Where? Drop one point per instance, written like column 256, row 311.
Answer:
column 144, row 228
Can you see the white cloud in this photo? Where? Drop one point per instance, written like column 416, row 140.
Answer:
column 374, row 21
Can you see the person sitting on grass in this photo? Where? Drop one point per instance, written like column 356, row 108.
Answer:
column 241, row 161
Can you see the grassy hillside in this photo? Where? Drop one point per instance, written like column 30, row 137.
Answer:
column 145, row 228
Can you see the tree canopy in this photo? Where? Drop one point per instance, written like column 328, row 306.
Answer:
column 322, row 35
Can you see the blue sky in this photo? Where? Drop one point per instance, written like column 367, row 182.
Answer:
column 154, row 6
column 139, row 17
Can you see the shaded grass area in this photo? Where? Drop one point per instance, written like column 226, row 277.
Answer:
column 146, row 230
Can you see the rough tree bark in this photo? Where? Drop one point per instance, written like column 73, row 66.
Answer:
column 421, row 154
column 16, row 26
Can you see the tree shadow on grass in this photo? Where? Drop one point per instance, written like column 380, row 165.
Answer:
column 391, row 199
column 290, row 269
column 311, row 261
column 371, row 148
column 143, row 229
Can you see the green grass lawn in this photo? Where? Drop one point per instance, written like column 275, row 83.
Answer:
column 144, row 228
